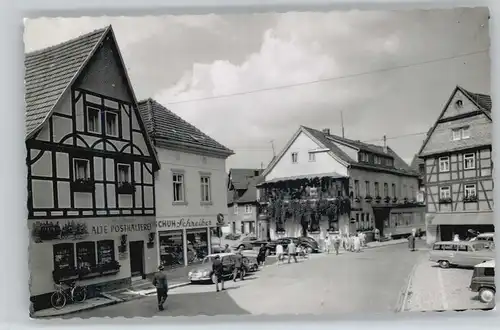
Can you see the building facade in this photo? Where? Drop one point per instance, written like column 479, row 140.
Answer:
column 457, row 154
column 321, row 183
column 191, row 193
column 242, row 203
column 91, row 165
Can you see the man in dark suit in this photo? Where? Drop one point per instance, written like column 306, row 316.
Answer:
column 160, row 282
column 238, row 266
column 218, row 273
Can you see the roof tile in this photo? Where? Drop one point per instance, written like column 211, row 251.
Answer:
column 50, row 71
column 163, row 124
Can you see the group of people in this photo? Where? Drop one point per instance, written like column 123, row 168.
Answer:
column 349, row 242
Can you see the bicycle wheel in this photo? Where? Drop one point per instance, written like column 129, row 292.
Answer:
column 79, row 293
column 58, row 300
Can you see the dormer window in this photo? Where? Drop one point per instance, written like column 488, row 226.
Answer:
column 377, row 160
column 363, row 157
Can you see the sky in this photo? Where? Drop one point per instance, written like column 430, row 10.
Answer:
column 250, row 81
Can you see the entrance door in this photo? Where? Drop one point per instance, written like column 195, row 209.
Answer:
column 381, row 215
column 137, row 258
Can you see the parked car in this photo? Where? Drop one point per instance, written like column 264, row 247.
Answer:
column 248, row 243
column 462, row 253
column 250, row 264
column 204, row 272
column 307, row 243
column 483, row 281
column 232, row 237
column 485, row 237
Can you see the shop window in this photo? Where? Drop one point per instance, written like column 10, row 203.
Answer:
column 64, row 256
column 85, row 255
column 171, row 248
column 197, row 244
column 105, row 251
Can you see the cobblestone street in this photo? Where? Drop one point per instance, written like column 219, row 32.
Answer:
column 436, row 289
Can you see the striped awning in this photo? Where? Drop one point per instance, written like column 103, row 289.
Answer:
column 454, row 219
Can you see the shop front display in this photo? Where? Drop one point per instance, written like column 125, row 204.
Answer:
column 171, row 245
column 197, row 244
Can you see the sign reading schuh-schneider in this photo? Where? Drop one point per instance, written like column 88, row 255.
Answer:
column 189, row 222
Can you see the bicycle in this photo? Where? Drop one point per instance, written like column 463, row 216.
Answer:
column 76, row 293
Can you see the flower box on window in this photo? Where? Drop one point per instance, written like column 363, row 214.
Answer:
column 368, row 198
column 65, row 274
column 126, row 188
column 83, row 185
column 387, row 199
column 378, row 199
column 470, row 199
column 395, row 200
column 445, row 200
column 405, row 200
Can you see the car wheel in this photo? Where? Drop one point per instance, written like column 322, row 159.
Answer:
column 241, row 246
column 444, row 264
column 486, row 295
column 309, row 250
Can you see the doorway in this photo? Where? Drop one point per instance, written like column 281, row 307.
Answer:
column 381, row 215
column 137, row 258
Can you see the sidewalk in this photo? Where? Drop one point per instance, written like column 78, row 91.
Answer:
column 434, row 289
column 385, row 243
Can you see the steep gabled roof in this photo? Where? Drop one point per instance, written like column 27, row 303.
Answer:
column 162, row 124
column 240, row 177
column 482, row 101
column 51, row 71
column 250, row 194
column 329, row 142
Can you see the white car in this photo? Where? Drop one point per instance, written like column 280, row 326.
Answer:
column 489, row 237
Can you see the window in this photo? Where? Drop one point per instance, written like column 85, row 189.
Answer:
column 93, row 120
column 394, row 192
column 356, row 188
column 206, row 195
column 123, row 173
column 111, row 123
column 489, row 271
column 469, row 161
column 462, row 248
column 312, row 157
column 456, row 134
column 235, row 209
column 465, row 132
column 412, row 192
column 386, row 190
column 470, row 190
column 85, row 255
column 295, row 157
column 459, row 104
column 377, row 189
column 444, row 192
column 81, row 169
column 405, row 191
column 450, row 247
column 313, row 192
column 64, row 256
column 105, row 251
column 460, row 133
column 178, row 185
column 367, row 188
column 248, row 208
column 444, row 164
column 389, row 162
column 437, row 247
column 363, row 157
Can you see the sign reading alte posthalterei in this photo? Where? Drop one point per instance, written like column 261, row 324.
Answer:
column 50, row 230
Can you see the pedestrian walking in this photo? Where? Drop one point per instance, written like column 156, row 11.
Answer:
column 411, row 242
column 300, row 251
column 292, row 251
column 217, row 271
column 362, row 237
column 161, row 284
column 356, row 243
column 344, row 242
column 261, row 257
column 327, row 244
column 336, row 243
column 279, row 253
column 238, row 266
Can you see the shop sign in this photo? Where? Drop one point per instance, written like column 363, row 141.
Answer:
column 185, row 223
column 122, row 229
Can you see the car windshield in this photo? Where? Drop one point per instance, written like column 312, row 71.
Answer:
column 208, row 259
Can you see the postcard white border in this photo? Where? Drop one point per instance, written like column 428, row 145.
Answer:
column 14, row 290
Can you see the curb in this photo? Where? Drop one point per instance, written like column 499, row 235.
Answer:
column 402, row 304
column 112, row 302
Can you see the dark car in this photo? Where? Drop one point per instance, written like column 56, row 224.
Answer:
column 304, row 242
column 248, row 243
column 250, row 264
column 204, row 272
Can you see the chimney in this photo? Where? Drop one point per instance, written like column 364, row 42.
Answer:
column 326, row 131
column 385, row 144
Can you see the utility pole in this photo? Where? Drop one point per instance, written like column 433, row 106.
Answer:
column 342, row 123
column 272, row 146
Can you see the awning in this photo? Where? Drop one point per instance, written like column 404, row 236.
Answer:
column 476, row 218
column 307, row 176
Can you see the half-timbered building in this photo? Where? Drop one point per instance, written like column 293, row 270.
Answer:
column 320, row 183
column 191, row 186
column 91, row 165
column 457, row 154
